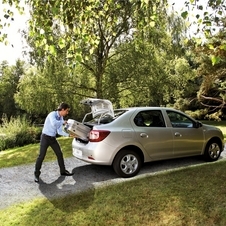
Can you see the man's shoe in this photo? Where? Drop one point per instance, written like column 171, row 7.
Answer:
column 66, row 173
column 36, row 179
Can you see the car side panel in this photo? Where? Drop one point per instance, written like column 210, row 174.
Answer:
column 188, row 141
column 157, row 141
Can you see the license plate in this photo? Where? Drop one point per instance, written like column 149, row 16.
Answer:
column 77, row 153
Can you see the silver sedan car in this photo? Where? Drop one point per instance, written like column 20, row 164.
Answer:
column 126, row 138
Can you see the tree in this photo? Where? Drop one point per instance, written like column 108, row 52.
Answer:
column 9, row 79
column 212, row 92
column 210, row 49
column 141, row 75
column 40, row 91
column 104, row 48
column 88, row 30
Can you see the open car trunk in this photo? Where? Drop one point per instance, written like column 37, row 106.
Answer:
column 101, row 112
column 99, row 108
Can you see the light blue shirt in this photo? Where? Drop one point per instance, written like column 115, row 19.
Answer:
column 54, row 124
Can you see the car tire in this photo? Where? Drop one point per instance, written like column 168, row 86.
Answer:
column 212, row 151
column 127, row 163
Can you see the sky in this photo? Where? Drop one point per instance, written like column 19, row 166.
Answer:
column 14, row 49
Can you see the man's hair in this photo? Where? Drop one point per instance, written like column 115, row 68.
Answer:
column 63, row 106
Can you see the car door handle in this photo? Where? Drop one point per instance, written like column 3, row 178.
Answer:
column 143, row 135
column 177, row 134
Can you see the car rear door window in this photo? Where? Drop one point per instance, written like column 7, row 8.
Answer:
column 151, row 118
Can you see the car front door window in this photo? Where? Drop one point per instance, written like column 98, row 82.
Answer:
column 179, row 121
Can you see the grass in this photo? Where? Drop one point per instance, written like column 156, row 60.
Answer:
column 29, row 153
column 190, row 196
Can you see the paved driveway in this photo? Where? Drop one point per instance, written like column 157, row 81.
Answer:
column 17, row 183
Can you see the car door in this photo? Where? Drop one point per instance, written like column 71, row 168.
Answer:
column 188, row 140
column 153, row 135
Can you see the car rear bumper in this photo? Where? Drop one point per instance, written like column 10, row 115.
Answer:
column 93, row 152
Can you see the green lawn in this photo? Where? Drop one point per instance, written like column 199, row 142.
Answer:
column 191, row 197
column 29, row 153
column 194, row 196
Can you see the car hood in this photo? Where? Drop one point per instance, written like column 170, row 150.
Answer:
column 213, row 129
column 99, row 106
column 210, row 127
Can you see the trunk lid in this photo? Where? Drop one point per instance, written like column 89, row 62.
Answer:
column 98, row 107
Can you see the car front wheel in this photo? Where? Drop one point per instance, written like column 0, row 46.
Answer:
column 212, row 151
column 127, row 163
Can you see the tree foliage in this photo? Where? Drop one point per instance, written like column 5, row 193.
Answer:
column 40, row 91
column 211, row 19
column 212, row 92
column 89, row 25
column 127, row 51
column 9, row 79
column 87, row 31
column 210, row 50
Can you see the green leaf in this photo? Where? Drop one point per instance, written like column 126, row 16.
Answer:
column 79, row 57
column 211, row 46
column 91, row 51
column 184, row 14
column 52, row 50
column 215, row 60
column 223, row 47
column 152, row 23
column 61, row 43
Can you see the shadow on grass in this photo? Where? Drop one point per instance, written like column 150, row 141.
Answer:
column 88, row 177
column 84, row 180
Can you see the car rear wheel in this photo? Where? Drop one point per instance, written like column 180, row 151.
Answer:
column 212, row 151
column 127, row 163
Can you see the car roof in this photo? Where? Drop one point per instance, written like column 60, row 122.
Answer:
column 148, row 108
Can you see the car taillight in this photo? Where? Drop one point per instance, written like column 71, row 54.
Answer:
column 98, row 135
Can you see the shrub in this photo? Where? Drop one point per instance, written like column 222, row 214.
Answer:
column 7, row 142
column 17, row 132
column 25, row 137
column 2, row 142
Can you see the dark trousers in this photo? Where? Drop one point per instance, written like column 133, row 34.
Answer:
column 45, row 142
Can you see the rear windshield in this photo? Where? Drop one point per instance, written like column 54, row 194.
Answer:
column 105, row 118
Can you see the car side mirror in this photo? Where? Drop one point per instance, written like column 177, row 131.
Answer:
column 197, row 124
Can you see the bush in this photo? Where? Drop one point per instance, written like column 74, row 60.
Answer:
column 27, row 137
column 2, row 142
column 17, row 132
column 7, row 142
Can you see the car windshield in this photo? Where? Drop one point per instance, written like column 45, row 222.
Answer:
column 106, row 118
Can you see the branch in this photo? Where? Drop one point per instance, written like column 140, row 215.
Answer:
column 212, row 98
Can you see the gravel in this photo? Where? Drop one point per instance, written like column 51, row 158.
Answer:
column 17, row 183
